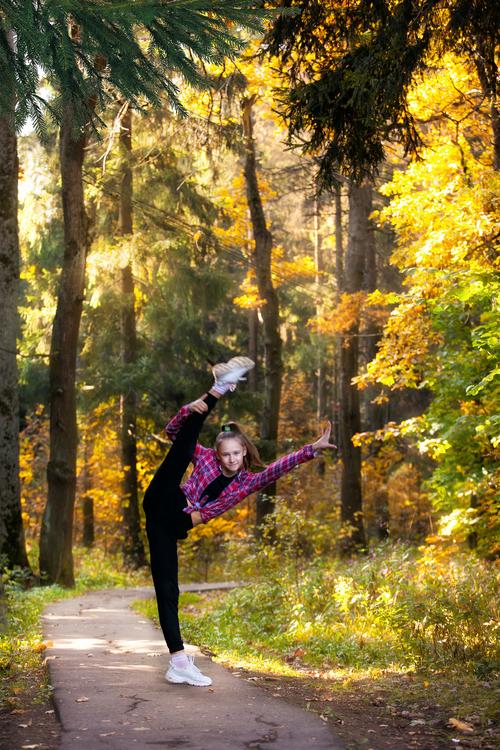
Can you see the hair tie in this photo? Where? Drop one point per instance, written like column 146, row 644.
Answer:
column 226, row 428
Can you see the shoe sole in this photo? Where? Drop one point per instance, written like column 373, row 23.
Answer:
column 232, row 371
column 181, row 681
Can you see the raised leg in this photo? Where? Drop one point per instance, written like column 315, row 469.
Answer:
column 175, row 463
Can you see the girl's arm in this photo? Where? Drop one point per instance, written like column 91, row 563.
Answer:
column 280, row 467
column 255, row 482
column 283, row 465
column 176, row 422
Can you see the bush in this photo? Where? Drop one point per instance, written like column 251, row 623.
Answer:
column 428, row 607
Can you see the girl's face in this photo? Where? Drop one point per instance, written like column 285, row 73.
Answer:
column 231, row 454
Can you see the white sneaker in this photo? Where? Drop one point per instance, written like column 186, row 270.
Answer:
column 232, row 371
column 190, row 674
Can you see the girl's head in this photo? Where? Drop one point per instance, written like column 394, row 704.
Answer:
column 235, row 450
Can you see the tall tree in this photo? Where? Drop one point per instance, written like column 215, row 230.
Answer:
column 180, row 34
column 347, row 97
column 321, row 410
column 263, row 245
column 56, row 538
column 133, row 546
column 88, row 536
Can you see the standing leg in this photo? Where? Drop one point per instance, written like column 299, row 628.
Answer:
column 164, row 570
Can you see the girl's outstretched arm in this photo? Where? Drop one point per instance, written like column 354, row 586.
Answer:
column 285, row 464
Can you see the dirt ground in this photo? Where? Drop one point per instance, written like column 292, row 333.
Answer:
column 29, row 725
column 366, row 716
column 392, row 712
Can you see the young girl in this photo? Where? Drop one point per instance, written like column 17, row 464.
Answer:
column 220, row 480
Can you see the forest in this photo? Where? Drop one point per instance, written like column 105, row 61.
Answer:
column 314, row 185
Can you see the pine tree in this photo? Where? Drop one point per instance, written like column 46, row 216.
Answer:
column 87, row 51
column 349, row 66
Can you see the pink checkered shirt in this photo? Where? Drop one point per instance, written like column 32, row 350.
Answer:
column 207, row 468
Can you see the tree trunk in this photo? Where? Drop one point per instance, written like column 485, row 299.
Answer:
column 56, row 558
column 273, row 368
column 12, row 545
column 374, row 414
column 133, row 547
column 88, row 501
column 3, row 607
column 350, row 422
column 321, row 410
column 339, row 275
column 339, row 248
column 253, row 347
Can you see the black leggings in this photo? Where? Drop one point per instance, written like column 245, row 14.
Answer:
column 166, row 522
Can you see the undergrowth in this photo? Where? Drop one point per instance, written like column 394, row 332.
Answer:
column 397, row 608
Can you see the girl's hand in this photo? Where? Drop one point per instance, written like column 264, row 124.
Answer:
column 198, row 406
column 324, row 441
column 196, row 518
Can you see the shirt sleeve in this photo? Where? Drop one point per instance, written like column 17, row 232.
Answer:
column 256, row 482
column 280, row 467
column 175, row 425
column 176, row 422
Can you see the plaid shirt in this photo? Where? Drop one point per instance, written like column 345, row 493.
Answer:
column 207, row 468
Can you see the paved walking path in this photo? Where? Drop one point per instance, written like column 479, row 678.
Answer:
column 107, row 666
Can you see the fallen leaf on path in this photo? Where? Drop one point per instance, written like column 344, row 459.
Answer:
column 462, row 726
column 83, row 699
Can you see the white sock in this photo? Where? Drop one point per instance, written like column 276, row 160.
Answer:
column 180, row 660
column 223, row 388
